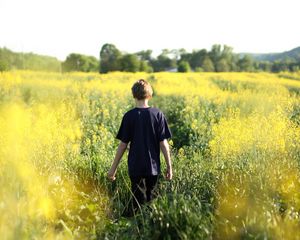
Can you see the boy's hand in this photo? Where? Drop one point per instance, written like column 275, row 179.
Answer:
column 120, row 151
column 169, row 174
column 111, row 175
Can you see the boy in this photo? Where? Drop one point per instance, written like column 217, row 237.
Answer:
column 147, row 131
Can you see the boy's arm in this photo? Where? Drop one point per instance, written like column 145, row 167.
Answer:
column 164, row 146
column 120, row 151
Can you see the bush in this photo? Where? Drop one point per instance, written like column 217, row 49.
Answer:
column 184, row 66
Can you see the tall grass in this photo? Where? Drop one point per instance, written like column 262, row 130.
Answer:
column 235, row 151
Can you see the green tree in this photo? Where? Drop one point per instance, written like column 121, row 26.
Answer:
column 81, row 63
column 197, row 58
column 265, row 66
column 130, row 63
column 110, row 58
column 208, row 65
column 245, row 64
column 215, row 54
column 75, row 62
column 163, row 61
column 184, row 66
column 4, row 66
column 185, row 56
column 222, row 58
column 145, row 58
column 145, row 55
column 93, row 64
column 222, row 65
column 227, row 60
column 145, row 67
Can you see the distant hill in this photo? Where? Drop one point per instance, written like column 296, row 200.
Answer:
column 292, row 55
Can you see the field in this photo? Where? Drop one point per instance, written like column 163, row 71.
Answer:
column 235, row 152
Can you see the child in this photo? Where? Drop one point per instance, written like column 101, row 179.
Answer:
column 147, row 131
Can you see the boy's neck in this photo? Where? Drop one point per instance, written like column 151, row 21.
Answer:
column 141, row 103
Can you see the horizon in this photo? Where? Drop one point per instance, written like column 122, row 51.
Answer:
column 98, row 57
column 56, row 28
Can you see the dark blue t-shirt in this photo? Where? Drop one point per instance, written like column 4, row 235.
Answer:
column 144, row 128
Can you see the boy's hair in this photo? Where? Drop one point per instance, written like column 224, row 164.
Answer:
column 141, row 89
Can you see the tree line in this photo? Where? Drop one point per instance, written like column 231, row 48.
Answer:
column 10, row 60
column 218, row 59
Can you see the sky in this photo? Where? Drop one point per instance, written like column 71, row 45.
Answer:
column 60, row 27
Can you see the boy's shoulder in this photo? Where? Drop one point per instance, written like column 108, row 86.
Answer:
column 155, row 110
